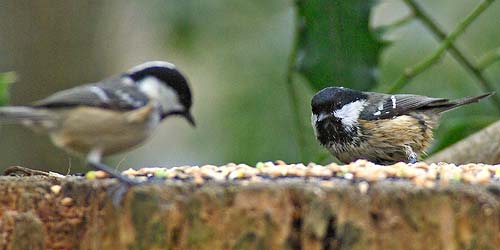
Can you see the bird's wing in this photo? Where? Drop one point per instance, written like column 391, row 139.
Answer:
column 389, row 106
column 109, row 95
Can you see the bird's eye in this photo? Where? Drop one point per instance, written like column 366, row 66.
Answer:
column 317, row 108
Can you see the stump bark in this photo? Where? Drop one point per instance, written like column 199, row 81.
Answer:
column 42, row 212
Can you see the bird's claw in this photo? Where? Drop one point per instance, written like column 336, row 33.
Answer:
column 412, row 156
column 412, row 160
column 117, row 193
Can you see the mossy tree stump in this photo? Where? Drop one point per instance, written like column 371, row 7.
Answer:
column 41, row 212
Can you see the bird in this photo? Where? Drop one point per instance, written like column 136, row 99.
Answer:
column 113, row 115
column 381, row 128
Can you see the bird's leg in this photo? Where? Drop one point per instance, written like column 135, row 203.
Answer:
column 117, row 195
column 94, row 160
column 412, row 156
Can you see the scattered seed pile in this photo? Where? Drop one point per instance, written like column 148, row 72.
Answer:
column 421, row 174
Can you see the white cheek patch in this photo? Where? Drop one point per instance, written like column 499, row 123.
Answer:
column 163, row 94
column 349, row 113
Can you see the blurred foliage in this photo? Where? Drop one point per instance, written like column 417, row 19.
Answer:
column 6, row 79
column 335, row 44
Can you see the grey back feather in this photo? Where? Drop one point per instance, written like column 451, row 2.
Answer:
column 72, row 97
column 110, row 94
column 383, row 106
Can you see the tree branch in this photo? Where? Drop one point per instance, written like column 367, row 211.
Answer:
column 447, row 43
column 293, row 95
column 396, row 24
column 483, row 146
column 488, row 59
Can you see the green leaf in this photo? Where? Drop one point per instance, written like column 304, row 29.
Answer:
column 335, row 44
column 6, row 79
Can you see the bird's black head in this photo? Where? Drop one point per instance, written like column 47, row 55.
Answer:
column 335, row 113
column 333, row 98
column 162, row 82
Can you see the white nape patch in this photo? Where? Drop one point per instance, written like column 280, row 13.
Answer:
column 100, row 93
column 314, row 119
column 152, row 64
column 393, row 99
column 349, row 113
column 166, row 96
column 127, row 81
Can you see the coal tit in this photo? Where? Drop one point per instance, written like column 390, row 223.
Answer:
column 109, row 116
column 381, row 128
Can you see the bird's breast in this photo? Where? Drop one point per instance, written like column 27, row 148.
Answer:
column 332, row 134
column 86, row 128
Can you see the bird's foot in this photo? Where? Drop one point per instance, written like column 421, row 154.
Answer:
column 117, row 193
column 412, row 160
column 412, row 156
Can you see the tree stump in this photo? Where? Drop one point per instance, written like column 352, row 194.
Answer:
column 289, row 211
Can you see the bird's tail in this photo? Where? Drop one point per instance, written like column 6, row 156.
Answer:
column 20, row 113
column 471, row 99
column 32, row 117
column 448, row 105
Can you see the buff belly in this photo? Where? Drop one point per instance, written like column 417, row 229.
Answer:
column 388, row 141
column 87, row 128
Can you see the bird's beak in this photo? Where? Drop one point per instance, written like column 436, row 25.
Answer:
column 190, row 118
column 186, row 114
